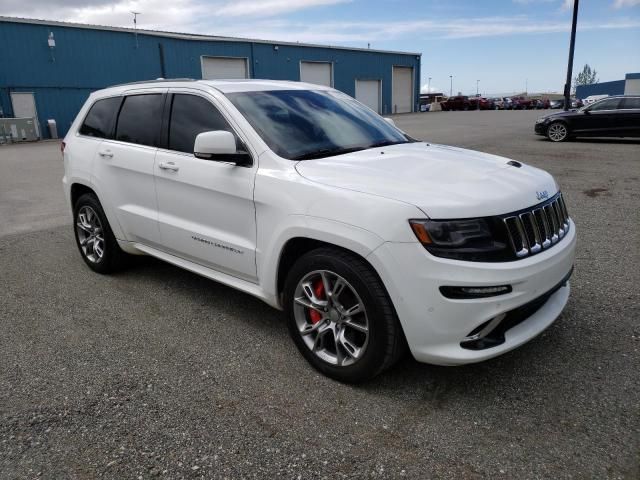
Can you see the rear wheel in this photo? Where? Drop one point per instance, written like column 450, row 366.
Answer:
column 557, row 132
column 96, row 242
column 340, row 316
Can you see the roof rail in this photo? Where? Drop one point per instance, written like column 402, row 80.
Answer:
column 157, row 80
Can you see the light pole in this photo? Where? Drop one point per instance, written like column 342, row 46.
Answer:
column 477, row 95
column 429, row 85
column 135, row 26
column 451, row 87
column 572, row 44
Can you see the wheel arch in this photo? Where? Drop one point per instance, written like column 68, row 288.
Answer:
column 78, row 188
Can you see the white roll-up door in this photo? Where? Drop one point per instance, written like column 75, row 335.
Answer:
column 368, row 92
column 402, row 101
column 316, row 72
column 220, row 68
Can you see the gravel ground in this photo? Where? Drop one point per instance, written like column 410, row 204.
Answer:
column 156, row 372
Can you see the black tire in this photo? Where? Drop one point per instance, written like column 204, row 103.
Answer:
column 386, row 342
column 112, row 258
column 558, row 132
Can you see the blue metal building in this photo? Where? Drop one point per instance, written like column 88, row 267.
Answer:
column 61, row 63
column 629, row 86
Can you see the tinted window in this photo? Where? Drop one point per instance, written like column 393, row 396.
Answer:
column 629, row 103
column 139, row 119
column 191, row 115
column 99, row 121
column 306, row 124
column 609, row 104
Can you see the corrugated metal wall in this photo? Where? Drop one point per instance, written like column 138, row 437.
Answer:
column 84, row 60
column 605, row 88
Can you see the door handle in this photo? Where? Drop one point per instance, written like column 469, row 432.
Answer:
column 169, row 166
column 106, row 154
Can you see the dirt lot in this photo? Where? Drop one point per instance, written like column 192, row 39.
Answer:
column 158, row 372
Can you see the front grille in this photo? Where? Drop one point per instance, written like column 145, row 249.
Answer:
column 538, row 228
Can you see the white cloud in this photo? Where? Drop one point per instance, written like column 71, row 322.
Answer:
column 429, row 89
column 270, row 7
column 625, row 3
column 205, row 17
column 568, row 4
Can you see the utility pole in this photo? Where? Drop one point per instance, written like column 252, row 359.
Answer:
column 477, row 95
column 451, row 87
column 572, row 44
column 135, row 26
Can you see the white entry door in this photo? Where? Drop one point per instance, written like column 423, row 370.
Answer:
column 24, row 106
column 368, row 92
column 221, row 67
column 402, row 90
column 318, row 73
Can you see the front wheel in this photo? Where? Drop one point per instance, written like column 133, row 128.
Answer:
column 340, row 316
column 557, row 132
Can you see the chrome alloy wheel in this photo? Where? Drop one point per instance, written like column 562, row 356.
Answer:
column 90, row 234
column 557, row 132
column 331, row 318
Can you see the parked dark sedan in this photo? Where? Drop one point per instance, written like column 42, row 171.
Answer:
column 612, row 117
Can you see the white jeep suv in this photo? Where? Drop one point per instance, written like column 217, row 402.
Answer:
column 369, row 240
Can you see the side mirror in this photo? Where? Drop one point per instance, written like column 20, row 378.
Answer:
column 587, row 111
column 390, row 120
column 220, row 146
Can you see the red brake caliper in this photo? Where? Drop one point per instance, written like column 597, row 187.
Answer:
column 318, row 290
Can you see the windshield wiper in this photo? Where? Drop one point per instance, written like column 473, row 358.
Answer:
column 327, row 152
column 386, row 143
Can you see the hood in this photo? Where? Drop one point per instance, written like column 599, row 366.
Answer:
column 444, row 182
column 569, row 113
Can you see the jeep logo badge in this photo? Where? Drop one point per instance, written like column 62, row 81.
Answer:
column 543, row 195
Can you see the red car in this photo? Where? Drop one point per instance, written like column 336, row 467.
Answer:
column 459, row 102
column 462, row 102
column 485, row 103
column 522, row 103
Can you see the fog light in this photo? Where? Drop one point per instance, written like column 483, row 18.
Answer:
column 475, row 292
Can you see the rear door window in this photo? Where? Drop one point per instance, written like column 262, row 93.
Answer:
column 631, row 103
column 140, row 118
column 610, row 104
column 99, row 121
column 191, row 115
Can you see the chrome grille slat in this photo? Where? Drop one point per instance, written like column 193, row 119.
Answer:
column 556, row 208
column 553, row 222
column 539, row 228
column 517, row 236
column 533, row 234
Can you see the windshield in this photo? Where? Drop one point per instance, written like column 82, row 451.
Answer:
column 306, row 124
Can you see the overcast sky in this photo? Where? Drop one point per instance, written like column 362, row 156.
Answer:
column 506, row 44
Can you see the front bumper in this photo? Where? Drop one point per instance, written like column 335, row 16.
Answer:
column 541, row 128
column 435, row 326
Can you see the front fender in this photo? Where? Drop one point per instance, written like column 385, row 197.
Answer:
column 349, row 237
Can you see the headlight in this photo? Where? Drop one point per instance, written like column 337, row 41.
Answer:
column 541, row 120
column 474, row 239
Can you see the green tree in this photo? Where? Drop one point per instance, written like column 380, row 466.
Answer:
column 586, row 77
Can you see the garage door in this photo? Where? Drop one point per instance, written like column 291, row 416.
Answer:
column 218, row 67
column 24, row 106
column 316, row 72
column 368, row 92
column 402, row 89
